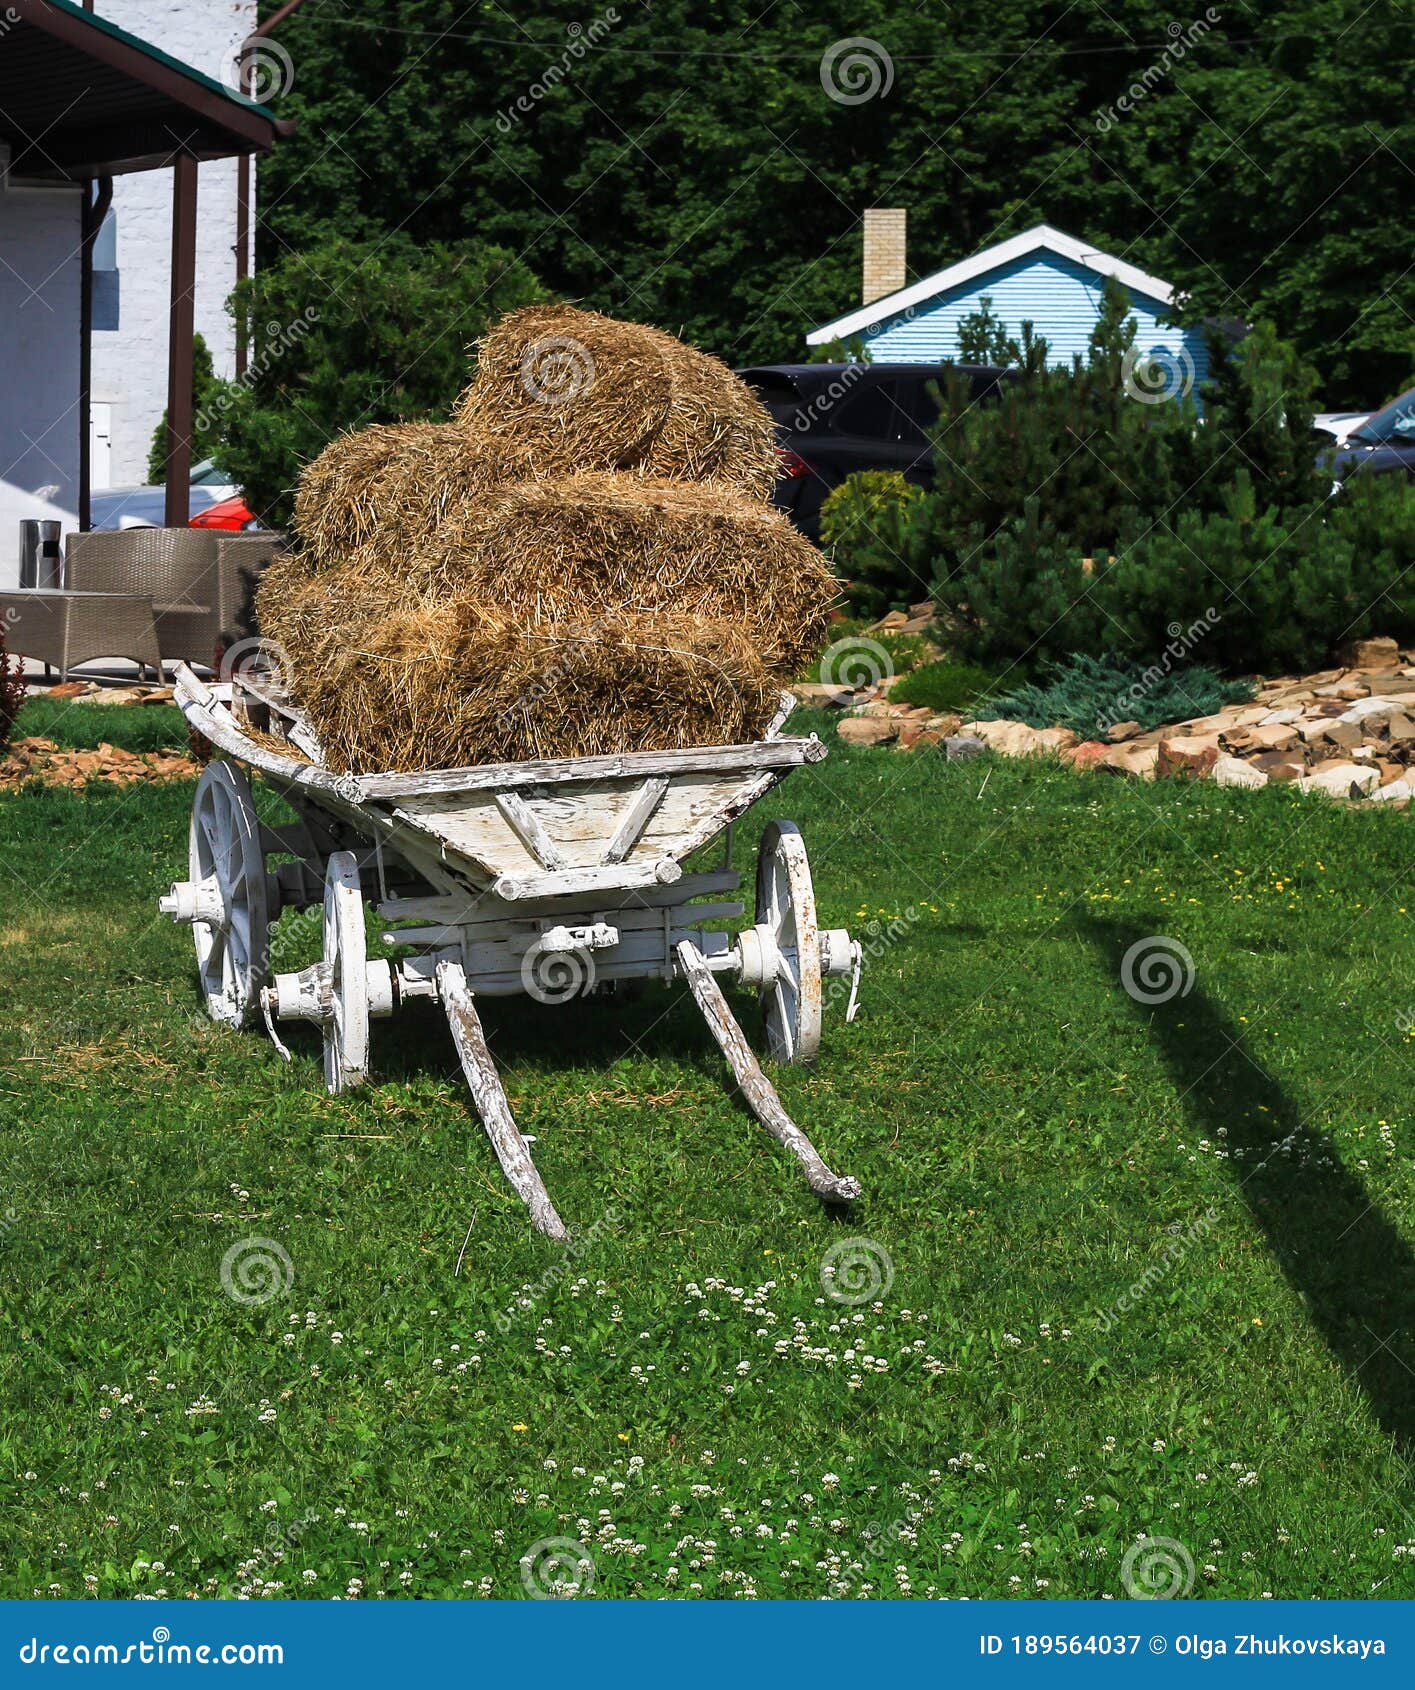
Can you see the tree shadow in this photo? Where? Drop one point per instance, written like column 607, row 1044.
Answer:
column 1338, row 1250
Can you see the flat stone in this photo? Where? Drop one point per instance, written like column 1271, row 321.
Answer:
column 1340, row 780
column 1277, row 737
column 1375, row 705
column 890, row 623
column 817, row 696
column 1140, row 764
column 1276, row 766
column 914, row 734
column 1233, row 771
column 1395, row 791
column 1009, row 739
column 946, row 724
column 1086, row 755
column 1187, row 754
column 867, row 730
column 1280, row 718
column 1379, row 652
column 1400, row 729
column 1340, row 733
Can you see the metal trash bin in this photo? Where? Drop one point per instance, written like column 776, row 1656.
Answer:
column 41, row 563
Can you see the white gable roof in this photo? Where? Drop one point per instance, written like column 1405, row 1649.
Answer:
column 1041, row 239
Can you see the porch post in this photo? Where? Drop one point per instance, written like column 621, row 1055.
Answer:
column 179, row 342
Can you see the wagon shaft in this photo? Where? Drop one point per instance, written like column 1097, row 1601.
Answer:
column 756, row 1088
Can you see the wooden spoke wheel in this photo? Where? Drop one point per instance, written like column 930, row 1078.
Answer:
column 786, row 908
column 227, row 867
column 346, row 963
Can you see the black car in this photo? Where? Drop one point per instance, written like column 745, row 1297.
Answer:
column 1383, row 443
column 834, row 419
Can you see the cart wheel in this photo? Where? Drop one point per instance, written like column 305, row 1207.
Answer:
column 346, row 958
column 786, row 907
column 225, row 899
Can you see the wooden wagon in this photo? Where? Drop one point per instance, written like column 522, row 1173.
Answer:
column 553, row 879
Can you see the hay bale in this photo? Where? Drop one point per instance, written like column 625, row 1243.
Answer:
column 584, row 545
column 385, row 488
column 563, row 390
column 443, row 685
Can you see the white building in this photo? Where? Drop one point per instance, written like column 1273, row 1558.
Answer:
column 132, row 259
column 84, row 100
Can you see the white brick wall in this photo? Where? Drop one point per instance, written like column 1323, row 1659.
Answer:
column 130, row 363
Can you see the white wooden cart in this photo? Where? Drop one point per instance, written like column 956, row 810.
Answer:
column 552, row 879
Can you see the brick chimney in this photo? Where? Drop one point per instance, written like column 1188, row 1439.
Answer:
column 886, row 235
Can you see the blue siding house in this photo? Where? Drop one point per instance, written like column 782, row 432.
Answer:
column 1043, row 276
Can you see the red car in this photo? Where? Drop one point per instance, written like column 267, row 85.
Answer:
column 232, row 514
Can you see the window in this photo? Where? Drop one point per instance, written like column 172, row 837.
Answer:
column 105, row 274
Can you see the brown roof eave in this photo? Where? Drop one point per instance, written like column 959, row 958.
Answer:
column 253, row 129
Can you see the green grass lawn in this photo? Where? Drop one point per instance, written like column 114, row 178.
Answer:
column 1151, row 1262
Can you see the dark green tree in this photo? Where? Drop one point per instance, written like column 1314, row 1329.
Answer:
column 350, row 333
column 983, row 337
column 208, row 408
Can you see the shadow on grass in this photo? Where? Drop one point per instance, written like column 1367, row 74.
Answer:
column 1339, row 1251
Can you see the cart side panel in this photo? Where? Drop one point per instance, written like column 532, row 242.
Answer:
column 575, row 826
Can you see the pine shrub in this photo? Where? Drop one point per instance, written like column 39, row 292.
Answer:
column 946, row 685
column 1090, row 694
column 873, row 544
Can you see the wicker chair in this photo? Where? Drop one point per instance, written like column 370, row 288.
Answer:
column 196, row 577
column 239, row 560
column 174, row 567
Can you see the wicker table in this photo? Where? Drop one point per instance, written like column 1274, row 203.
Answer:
column 66, row 628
